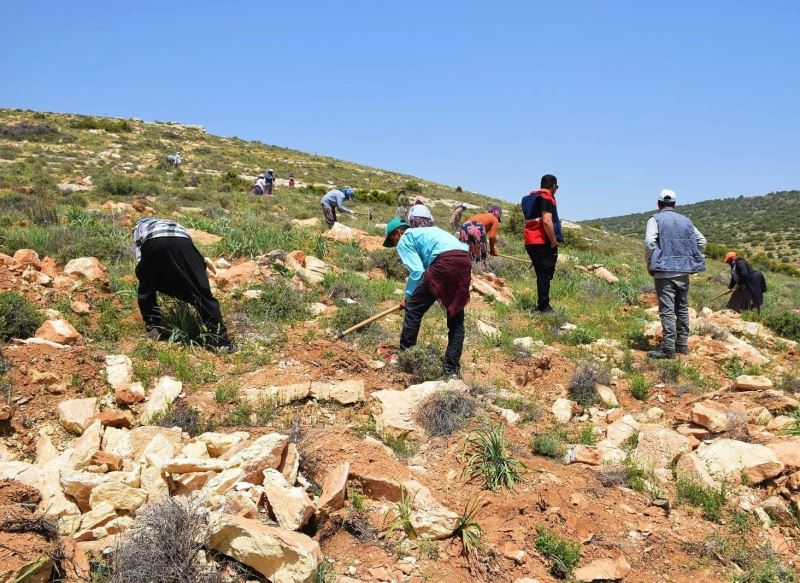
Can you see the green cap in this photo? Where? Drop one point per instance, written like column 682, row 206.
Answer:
column 391, row 227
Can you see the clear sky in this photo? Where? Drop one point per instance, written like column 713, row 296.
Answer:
column 618, row 99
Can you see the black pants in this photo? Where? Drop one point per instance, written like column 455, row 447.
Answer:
column 416, row 306
column 174, row 266
column 544, row 259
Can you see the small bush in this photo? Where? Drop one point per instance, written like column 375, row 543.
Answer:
column 279, row 302
column 18, row 317
column 490, row 460
column 116, row 185
column 639, row 386
column 445, row 412
column 768, row 570
column 784, row 323
column 164, row 545
column 562, row 554
column 583, row 384
column 550, row 445
column 34, row 132
column 388, row 261
column 102, row 123
column 710, row 500
column 184, row 416
column 528, row 410
column 349, row 315
column 422, row 362
column 582, row 336
column 669, row 371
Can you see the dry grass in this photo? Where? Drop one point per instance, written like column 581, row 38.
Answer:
column 445, row 412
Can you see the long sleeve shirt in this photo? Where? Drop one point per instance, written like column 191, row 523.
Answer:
column 335, row 199
column 418, row 248
column 651, row 242
column 152, row 228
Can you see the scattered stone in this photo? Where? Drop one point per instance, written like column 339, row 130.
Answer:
column 731, row 459
column 584, row 454
column 602, row 273
column 562, row 410
column 88, row 268
column 710, row 415
column 119, row 370
column 778, row 511
column 73, row 414
column 604, row 570
column 120, row 496
column 280, row 555
column 130, row 394
column 659, row 447
column 752, row 383
column 203, row 238
column 58, row 331
column 80, row 308
column 494, row 287
column 788, row 453
column 488, row 330
column 691, row 467
column 334, row 489
column 266, row 452
column 620, row 431
column 219, row 443
column 291, row 506
column 163, row 394
column 344, row 392
column 607, row 396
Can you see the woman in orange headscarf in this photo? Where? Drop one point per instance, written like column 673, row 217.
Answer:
column 748, row 285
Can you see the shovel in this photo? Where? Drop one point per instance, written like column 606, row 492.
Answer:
column 367, row 322
column 368, row 213
column 520, row 259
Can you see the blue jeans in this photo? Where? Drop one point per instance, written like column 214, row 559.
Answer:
column 673, row 309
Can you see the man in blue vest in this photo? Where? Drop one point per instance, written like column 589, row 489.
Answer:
column 673, row 248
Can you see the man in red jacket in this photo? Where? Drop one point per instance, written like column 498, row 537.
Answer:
column 542, row 234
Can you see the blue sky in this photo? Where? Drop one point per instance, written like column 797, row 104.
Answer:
column 618, row 99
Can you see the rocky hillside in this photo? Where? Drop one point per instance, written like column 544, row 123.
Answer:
column 562, row 453
column 767, row 227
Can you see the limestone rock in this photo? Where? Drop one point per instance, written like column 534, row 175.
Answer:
column 334, row 489
column 118, row 495
column 604, row 570
column 80, row 308
column 659, row 447
column 691, row 467
column 752, row 383
column 118, row 442
column 343, row 234
column 618, row 432
column 710, row 415
column 607, row 396
column 291, row 506
column 185, row 465
column 731, row 459
column 163, row 394
column 119, row 371
column 487, row 330
column 494, row 287
column 280, row 555
column 87, row 444
column 266, row 452
column 203, row 238
column 344, row 392
column 25, row 258
column 394, row 410
column 58, row 331
column 584, row 454
column 220, row 484
column 130, row 394
column 74, row 413
column 431, row 520
column 88, row 268
column 779, row 512
column 219, row 443
column 788, row 453
column 562, row 410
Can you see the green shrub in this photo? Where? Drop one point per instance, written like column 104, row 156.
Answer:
column 423, row 362
column 349, row 315
column 116, row 185
column 279, row 302
column 102, row 123
column 181, row 415
column 18, row 317
column 550, row 444
column 180, row 323
column 562, row 554
column 710, row 500
column 785, row 323
column 639, row 386
column 389, row 261
column 582, row 336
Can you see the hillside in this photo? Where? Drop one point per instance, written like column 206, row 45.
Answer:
column 561, row 453
column 766, row 225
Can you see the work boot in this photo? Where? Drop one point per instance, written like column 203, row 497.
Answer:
column 547, row 310
column 682, row 349
column 660, row 354
column 227, row 347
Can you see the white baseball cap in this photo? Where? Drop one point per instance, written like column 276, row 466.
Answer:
column 667, row 195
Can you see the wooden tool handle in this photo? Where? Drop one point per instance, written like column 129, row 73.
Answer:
column 368, row 321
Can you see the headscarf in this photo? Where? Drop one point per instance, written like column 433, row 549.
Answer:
column 496, row 211
column 730, row 257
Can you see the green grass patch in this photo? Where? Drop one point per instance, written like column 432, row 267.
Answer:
column 562, row 554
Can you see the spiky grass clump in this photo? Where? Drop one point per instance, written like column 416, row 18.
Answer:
column 468, row 529
column 490, row 460
column 402, row 514
column 711, row 500
column 445, row 412
column 180, row 323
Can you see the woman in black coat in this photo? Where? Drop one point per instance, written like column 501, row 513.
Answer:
column 748, row 285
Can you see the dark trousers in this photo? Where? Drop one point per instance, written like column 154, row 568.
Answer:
column 173, row 266
column 416, row 306
column 329, row 213
column 544, row 259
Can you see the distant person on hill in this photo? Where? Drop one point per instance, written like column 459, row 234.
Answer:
column 420, row 215
column 333, row 200
column 455, row 218
column 269, row 182
column 402, row 204
column 673, row 248
column 291, row 180
column 542, row 235
column 748, row 285
column 175, row 161
column 260, row 186
column 439, row 268
column 168, row 262
column 479, row 232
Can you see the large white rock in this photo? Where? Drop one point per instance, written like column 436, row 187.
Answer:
column 618, row 432
column 219, row 443
column 163, row 394
column 607, row 396
column 88, row 268
column 74, row 413
column 562, row 410
column 280, row 555
column 732, row 460
column 118, row 495
column 691, row 467
column 119, row 371
column 710, row 415
column 187, row 465
column 266, row 452
column 118, row 442
column 291, row 505
column 752, row 383
column 334, row 489
column 344, row 392
column 394, row 411
column 658, row 446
